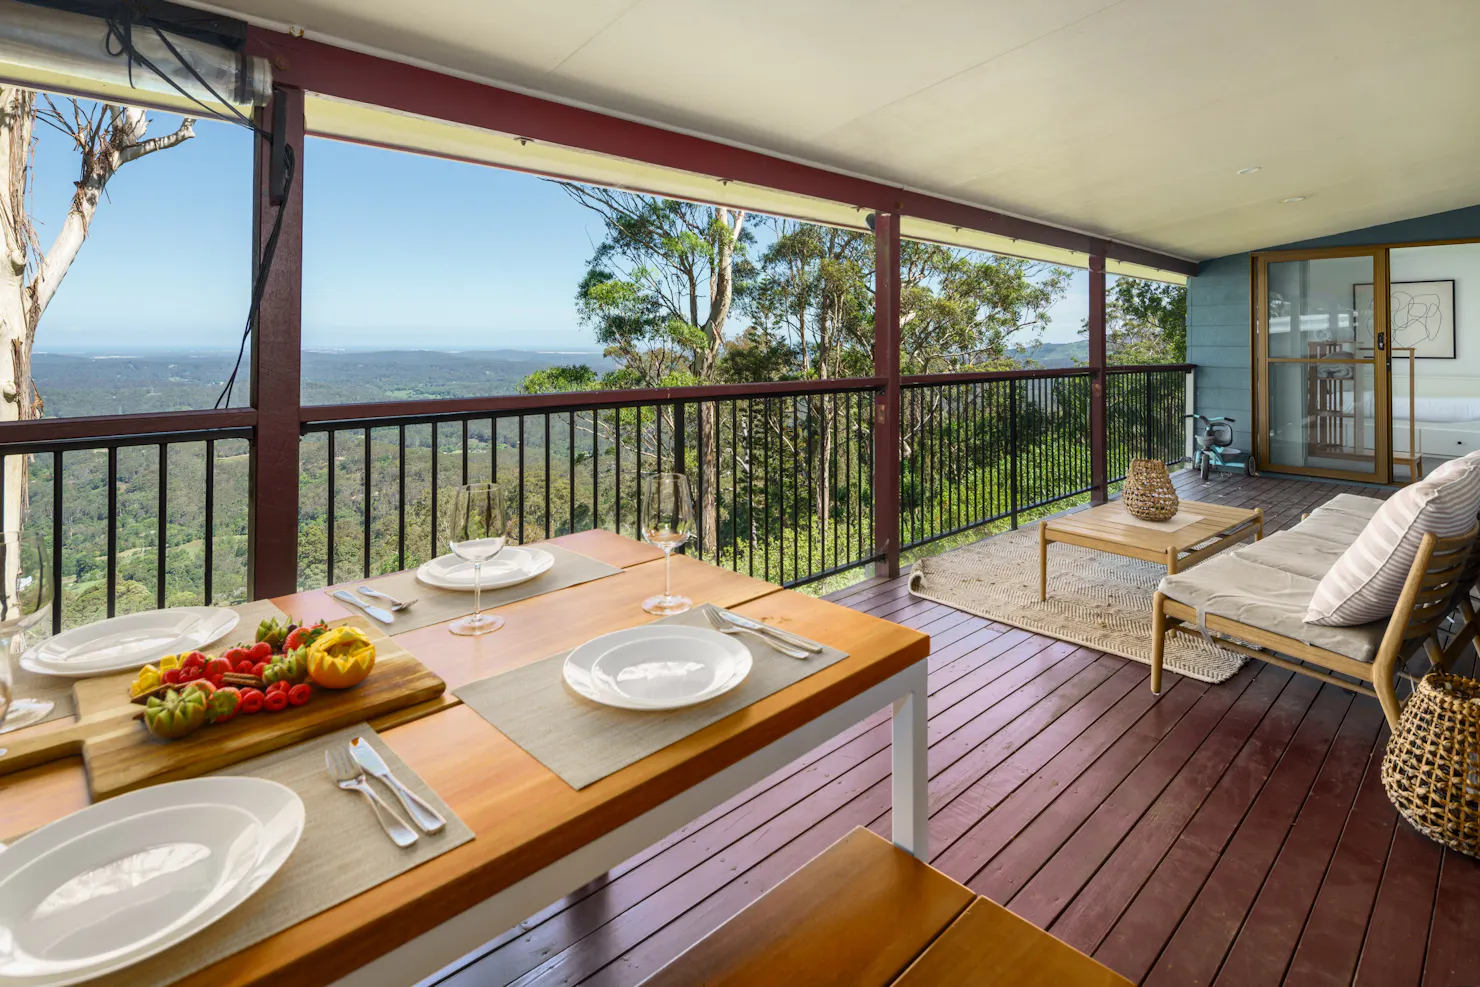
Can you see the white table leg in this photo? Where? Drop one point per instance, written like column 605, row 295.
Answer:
column 909, row 755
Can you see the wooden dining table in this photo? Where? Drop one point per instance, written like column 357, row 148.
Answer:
column 536, row 838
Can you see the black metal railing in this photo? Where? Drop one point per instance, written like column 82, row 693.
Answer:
column 990, row 448
column 782, row 477
column 134, row 522
column 1145, row 417
column 977, row 449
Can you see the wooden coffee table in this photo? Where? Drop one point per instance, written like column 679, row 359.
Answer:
column 1108, row 528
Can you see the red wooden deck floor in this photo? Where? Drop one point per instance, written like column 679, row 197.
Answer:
column 1234, row 834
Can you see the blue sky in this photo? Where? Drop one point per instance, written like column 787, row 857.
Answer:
column 400, row 251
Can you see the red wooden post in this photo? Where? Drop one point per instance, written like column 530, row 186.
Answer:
column 277, row 347
column 1098, row 466
column 886, row 403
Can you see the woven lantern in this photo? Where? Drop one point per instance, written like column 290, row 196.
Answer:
column 1431, row 771
column 1148, row 492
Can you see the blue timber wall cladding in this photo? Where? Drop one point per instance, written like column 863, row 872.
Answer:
column 1218, row 321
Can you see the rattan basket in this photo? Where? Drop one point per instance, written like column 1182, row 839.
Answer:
column 1148, row 492
column 1431, row 771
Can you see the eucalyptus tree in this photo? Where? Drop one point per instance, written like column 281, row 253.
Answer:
column 1145, row 322
column 106, row 137
column 658, row 294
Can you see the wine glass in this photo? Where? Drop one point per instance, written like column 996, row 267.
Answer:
column 25, row 599
column 480, row 530
column 667, row 521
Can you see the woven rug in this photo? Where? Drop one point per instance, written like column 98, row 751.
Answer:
column 1095, row 599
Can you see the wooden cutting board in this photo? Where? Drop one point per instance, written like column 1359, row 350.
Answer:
column 121, row 755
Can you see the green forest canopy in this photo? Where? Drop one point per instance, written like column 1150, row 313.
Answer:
column 680, row 293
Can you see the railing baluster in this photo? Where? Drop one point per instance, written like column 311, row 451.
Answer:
column 570, row 524
column 401, row 496
column 436, row 482
column 56, row 540
column 750, row 481
column 365, row 507
column 617, row 428
column 329, row 531
column 548, row 511
column 210, row 567
column 595, row 471
column 1012, row 447
column 162, row 531
column 735, row 483
column 112, row 536
column 522, row 434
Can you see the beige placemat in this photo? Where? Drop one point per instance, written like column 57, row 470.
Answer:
column 583, row 742
column 343, row 853
column 434, row 605
column 33, row 685
column 1179, row 520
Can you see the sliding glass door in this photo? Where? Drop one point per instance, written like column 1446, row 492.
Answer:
column 1323, row 361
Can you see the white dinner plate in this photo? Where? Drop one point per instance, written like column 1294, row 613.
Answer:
column 665, row 666
column 126, row 879
column 512, row 566
column 128, row 642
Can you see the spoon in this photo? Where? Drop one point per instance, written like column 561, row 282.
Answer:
column 396, row 605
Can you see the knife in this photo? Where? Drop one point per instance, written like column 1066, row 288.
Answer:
column 776, row 632
column 384, row 616
column 422, row 814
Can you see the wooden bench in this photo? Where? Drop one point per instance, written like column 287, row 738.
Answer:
column 864, row 913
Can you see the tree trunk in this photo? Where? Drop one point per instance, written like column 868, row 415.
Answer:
column 17, row 119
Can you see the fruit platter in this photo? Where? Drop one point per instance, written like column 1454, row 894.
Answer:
column 189, row 714
column 278, row 671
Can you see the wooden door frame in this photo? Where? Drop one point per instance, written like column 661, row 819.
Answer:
column 1259, row 372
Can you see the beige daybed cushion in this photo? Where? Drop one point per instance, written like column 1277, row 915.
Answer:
column 1269, row 585
column 1365, row 583
column 1336, row 527
column 1362, row 507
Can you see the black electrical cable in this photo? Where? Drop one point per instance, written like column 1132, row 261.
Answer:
column 120, row 30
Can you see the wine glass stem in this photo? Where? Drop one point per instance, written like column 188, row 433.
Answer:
column 477, row 591
column 668, row 573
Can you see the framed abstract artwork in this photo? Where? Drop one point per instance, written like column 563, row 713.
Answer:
column 1421, row 315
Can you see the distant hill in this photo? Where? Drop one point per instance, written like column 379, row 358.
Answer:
column 84, row 384
column 1060, row 354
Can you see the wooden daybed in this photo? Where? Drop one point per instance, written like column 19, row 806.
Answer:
column 1253, row 600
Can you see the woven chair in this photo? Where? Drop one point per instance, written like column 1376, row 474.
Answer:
column 1436, row 586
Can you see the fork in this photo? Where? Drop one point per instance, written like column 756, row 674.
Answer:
column 348, row 776
column 725, row 627
column 396, row 605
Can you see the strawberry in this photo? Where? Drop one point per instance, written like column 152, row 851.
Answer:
column 261, row 651
column 302, row 637
column 236, row 655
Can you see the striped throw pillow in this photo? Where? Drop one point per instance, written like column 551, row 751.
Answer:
column 1365, row 583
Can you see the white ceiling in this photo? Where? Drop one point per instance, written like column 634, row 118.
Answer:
column 1125, row 118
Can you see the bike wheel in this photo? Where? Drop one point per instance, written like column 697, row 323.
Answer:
column 1207, row 468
